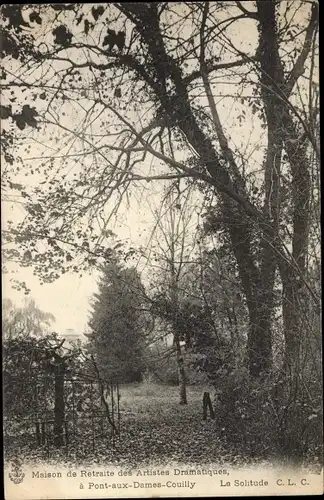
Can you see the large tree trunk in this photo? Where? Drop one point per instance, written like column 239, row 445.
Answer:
column 258, row 290
column 259, row 340
column 292, row 326
column 294, row 291
column 275, row 92
column 257, row 284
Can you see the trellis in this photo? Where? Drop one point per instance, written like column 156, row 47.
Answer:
column 61, row 407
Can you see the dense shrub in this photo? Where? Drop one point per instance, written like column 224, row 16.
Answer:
column 268, row 418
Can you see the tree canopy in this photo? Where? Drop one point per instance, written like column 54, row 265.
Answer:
column 104, row 99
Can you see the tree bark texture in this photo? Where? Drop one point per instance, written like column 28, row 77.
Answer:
column 276, row 91
column 181, row 373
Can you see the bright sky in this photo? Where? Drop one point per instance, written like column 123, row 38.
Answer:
column 68, row 297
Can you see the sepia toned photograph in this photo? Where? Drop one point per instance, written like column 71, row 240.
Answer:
column 161, row 249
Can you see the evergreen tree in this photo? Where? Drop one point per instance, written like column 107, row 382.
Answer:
column 117, row 324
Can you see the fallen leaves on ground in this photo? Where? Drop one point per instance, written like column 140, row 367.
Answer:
column 155, row 428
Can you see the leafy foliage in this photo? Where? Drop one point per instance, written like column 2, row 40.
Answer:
column 15, row 37
column 25, row 359
column 62, row 36
column 268, row 419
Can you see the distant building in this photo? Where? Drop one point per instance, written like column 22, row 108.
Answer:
column 71, row 337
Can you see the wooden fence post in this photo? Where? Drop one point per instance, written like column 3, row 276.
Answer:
column 59, row 407
column 38, row 434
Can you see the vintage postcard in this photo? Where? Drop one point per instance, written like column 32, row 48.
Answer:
column 161, row 249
